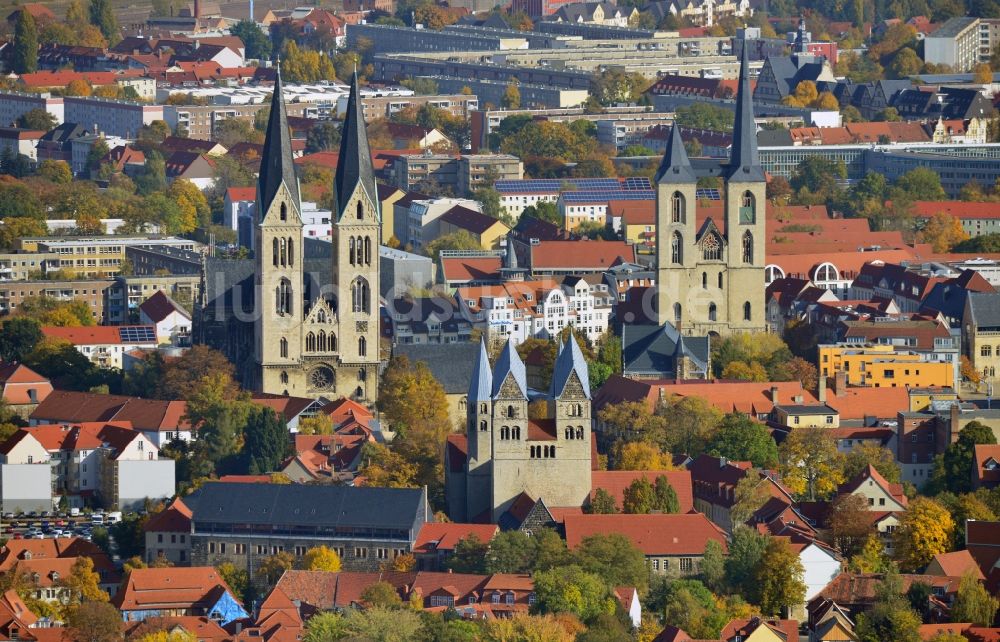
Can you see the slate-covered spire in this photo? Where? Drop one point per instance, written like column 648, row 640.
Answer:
column 509, row 363
column 354, row 164
column 570, row 360
column 744, row 161
column 675, row 166
column 481, row 385
column 276, row 165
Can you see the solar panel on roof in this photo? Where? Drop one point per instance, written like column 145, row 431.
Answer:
column 709, row 193
column 136, row 334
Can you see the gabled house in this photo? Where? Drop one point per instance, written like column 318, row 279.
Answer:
column 164, row 592
column 171, row 322
column 674, row 544
column 437, row 541
column 986, row 466
column 22, row 389
column 756, row 629
column 168, row 534
column 954, row 564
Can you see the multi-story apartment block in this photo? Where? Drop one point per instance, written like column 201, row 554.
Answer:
column 23, row 142
column 956, row 44
column 379, row 106
column 93, row 292
column 21, row 266
column 199, row 121
column 14, row 104
column 98, row 256
column 890, row 366
column 989, row 37
column 462, row 174
column 126, row 294
column 113, row 117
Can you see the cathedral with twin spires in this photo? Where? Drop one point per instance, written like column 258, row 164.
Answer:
column 314, row 341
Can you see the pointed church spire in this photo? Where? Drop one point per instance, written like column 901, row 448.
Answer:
column 481, row 385
column 509, row 363
column 570, row 360
column 744, row 162
column 276, row 165
column 354, row 164
column 675, row 166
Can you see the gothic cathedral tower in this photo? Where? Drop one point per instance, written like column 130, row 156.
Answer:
column 356, row 239
column 710, row 278
column 278, row 253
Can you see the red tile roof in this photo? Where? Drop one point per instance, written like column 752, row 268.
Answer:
column 580, row 255
column 17, row 379
column 655, row 534
column 634, row 212
column 19, row 550
column 956, row 564
column 987, row 454
column 443, row 536
column 66, row 406
column 159, row 306
column 871, row 474
column 958, row 209
column 170, row 588
column 176, row 518
column 464, row 269
column 616, row 481
column 88, row 335
column 787, row 630
column 235, row 194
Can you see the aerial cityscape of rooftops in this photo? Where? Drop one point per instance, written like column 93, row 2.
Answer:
column 533, row 321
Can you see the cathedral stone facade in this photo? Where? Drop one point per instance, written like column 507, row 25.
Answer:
column 314, row 341
column 509, row 454
column 710, row 274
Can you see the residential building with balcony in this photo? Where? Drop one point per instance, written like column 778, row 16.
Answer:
column 92, row 292
column 956, row 43
column 105, row 346
column 887, row 366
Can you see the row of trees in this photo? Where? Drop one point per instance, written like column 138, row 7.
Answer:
column 93, row 26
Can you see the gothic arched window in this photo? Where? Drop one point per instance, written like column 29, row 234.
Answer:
column 711, row 248
column 310, row 342
column 516, row 433
column 291, row 252
column 677, row 313
column 321, row 341
column 746, row 311
column 368, row 251
column 677, row 214
column 283, row 377
column 331, row 343
column 283, row 244
column 284, row 212
column 274, row 251
column 361, row 211
column 350, row 251
column 362, row 346
column 713, row 312
column 747, row 247
column 720, row 280
column 283, row 297
column 283, row 347
column 704, row 280
column 676, row 249
column 748, row 214
column 360, row 296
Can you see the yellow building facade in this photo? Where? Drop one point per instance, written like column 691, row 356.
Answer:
column 881, row 366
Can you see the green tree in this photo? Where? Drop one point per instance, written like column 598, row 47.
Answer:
column 973, row 603
column 689, row 605
column 689, row 424
column 664, row 496
column 266, row 441
column 469, row 555
column 511, row 97
column 746, row 549
column 325, row 627
column 517, row 552
column 778, row 578
column 102, row 16
column 324, row 136
column 272, row 568
column 37, row 119
column 742, row 438
column 639, row 497
column 815, row 180
column 460, row 240
column 922, row 184
column 238, row 579
column 18, row 337
column 603, row 503
column 153, row 177
column 705, row 115
column 905, row 63
column 25, row 56
column 811, row 465
column 381, row 595
column 751, row 492
column 571, row 589
column 713, row 566
column 255, row 41
column 221, row 419
column 925, row 530
column 879, row 457
column 613, row 558
column 954, row 471
column 850, row 523
column 891, row 617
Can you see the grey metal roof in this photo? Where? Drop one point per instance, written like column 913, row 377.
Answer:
column 276, row 164
column 984, row 308
column 481, row 382
column 654, row 350
column 953, row 27
column 570, row 360
column 452, row 364
column 354, row 164
column 510, row 362
column 307, row 505
column 675, row 167
column 744, row 161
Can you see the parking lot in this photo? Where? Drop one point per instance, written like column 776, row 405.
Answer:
column 52, row 525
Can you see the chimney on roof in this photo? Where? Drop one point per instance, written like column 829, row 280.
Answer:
column 774, row 395
column 839, row 382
